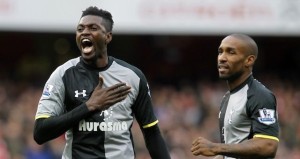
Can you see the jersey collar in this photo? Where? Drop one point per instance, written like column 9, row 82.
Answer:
column 110, row 61
column 250, row 78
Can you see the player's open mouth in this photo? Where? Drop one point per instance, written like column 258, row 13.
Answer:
column 222, row 68
column 87, row 45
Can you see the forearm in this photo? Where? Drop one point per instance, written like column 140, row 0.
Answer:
column 155, row 143
column 219, row 157
column 251, row 148
column 46, row 129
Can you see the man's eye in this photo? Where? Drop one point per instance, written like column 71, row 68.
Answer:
column 79, row 29
column 231, row 52
column 220, row 51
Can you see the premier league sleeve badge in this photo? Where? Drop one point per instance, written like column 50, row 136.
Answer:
column 267, row 116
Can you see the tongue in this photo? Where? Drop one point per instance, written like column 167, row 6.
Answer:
column 87, row 49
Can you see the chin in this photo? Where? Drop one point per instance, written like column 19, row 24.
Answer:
column 224, row 76
column 231, row 77
column 89, row 58
column 227, row 77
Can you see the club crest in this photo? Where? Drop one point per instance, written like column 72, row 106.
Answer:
column 267, row 116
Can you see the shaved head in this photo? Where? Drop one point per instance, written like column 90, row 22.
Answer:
column 250, row 44
column 237, row 55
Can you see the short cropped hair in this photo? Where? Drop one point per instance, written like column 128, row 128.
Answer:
column 252, row 48
column 105, row 15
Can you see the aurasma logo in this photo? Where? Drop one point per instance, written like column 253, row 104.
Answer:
column 102, row 126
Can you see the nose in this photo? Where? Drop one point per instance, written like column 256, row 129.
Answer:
column 85, row 31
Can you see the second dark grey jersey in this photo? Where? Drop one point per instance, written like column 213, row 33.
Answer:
column 106, row 134
column 248, row 111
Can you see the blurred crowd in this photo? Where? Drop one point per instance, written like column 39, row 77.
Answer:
column 185, row 111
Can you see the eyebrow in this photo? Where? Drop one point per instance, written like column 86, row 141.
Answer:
column 227, row 47
column 91, row 24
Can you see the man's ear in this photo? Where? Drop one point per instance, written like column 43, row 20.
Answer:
column 249, row 62
column 108, row 37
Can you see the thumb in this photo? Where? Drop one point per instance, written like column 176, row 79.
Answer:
column 100, row 81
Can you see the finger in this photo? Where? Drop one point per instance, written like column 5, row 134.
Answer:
column 196, row 151
column 115, row 100
column 192, row 149
column 120, row 94
column 117, row 93
column 195, row 148
column 120, row 98
column 116, row 86
column 119, row 90
column 122, row 89
column 101, row 81
column 195, row 142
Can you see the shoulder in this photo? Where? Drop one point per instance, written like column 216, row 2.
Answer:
column 260, row 96
column 70, row 63
column 61, row 70
column 130, row 67
column 260, row 91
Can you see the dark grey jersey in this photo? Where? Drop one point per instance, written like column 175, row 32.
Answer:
column 248, row 111
column 105, row 134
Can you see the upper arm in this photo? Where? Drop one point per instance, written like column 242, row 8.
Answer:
column 143, row 107
column 51, row 102
column 262, row 110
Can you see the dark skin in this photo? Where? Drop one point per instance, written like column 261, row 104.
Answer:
column 92, row 39
column 235, row 62
column 91, row 27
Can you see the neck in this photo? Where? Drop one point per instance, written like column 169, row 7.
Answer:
column 101, row 61
column 97, row 61
column 101, row 58
column 232, row 84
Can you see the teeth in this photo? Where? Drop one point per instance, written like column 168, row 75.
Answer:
column 86, row 40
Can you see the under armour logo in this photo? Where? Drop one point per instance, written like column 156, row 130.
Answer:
column 83, row 93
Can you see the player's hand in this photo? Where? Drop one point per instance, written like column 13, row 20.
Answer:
column 202, row 146
column 102, row 98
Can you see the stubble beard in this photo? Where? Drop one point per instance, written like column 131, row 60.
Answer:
column 231, row 77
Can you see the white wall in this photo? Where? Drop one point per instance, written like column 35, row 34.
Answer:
column 262, row 17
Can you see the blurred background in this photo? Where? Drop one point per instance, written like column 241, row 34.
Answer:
column 174, row 42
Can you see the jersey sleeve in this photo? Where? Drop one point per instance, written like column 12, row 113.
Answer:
column 143, row 107
column 51, row 102
column 263, row 112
